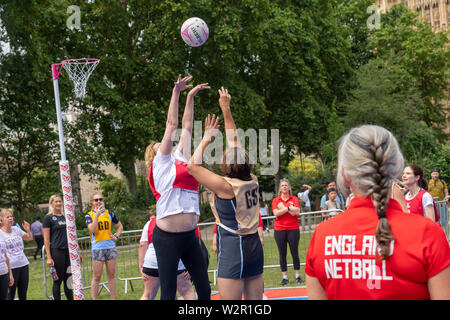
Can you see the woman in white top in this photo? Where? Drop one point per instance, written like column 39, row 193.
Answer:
column 13, row 237
column 177, row 202
column 148, row 266
column 6, row 276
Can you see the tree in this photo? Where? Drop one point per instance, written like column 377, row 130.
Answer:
column 285, row 64
column 423, row 54
column 27, row 139
column 386, row 96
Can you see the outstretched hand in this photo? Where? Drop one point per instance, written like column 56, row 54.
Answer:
column 224, row 98
column 197, row 88
column 181, row 84
column 211, row 127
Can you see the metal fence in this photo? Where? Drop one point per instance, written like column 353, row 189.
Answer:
column 127, row 269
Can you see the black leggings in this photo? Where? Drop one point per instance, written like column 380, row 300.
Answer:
column 39, row 243
column 21, row 278
column 62, row 265
column 170, row 248
column 4, row 286
column 282, row 238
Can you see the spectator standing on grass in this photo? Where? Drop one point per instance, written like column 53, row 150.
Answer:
column 286, row 208
column 14, row 237
column 57, row 248
column 6, row 276
column 38, row 236
column 303, row 195
column 99, row 222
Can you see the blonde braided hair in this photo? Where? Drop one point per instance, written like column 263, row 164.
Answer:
column 372, row 160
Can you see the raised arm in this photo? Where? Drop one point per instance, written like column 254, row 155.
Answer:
column 187, row 123
column 172, row 115
column 207, row 178
column 230, row 126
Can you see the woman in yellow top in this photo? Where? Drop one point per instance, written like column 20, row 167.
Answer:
column 99, row 222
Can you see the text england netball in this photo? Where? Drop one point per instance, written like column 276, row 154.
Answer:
column 345, row 268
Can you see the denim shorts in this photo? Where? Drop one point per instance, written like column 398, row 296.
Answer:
column 104, row 254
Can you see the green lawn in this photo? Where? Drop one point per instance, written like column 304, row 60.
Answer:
column 128, row 267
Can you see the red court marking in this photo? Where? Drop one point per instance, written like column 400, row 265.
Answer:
column 277, row 293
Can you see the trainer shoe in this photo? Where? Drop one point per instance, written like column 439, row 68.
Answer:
column 299, row 280
column 284, row 282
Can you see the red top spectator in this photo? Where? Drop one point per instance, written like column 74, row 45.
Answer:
column 286, row 221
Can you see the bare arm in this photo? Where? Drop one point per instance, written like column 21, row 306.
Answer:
column 294, row 211
column 11, row 277
column 429, row 212
column 27, row 236
column 93, row 225
column 143, row 246
column 184, row 145
column 280, row 212
column 230, row 126
column 314, row 289
column 439, row 285
column 47, row 247
column 172, row 115
column 119, row 229
column 209, row 179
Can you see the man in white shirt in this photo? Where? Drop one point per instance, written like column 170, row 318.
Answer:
column 303, row 196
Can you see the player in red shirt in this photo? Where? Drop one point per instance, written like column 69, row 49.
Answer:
column 286, row 208
column 375, row 250
column 418, row 199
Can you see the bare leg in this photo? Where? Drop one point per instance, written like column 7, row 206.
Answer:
column 254, row 288
column 111, row 272
column 97, row 268
column 230, row 289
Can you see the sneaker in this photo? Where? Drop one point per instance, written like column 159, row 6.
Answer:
column 299, row 280
column 284, row 282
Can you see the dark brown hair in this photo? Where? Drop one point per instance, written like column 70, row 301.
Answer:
column 423, row 183
column 236, row 163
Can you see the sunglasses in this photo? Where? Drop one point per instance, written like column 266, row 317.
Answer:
column 98, row 199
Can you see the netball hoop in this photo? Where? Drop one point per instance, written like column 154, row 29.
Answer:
column 79, row 71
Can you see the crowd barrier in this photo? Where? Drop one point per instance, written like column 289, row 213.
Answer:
column 127, row 269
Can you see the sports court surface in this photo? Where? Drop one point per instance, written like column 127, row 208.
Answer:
column 291, row 293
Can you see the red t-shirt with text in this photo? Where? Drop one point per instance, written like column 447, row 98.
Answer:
column 341, row 254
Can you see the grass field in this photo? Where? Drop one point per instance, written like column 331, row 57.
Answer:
column 127, row 263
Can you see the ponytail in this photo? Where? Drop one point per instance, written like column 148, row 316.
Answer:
column 380, row 199
column 422, row 183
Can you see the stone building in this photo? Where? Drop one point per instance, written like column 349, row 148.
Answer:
column 435, row 12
